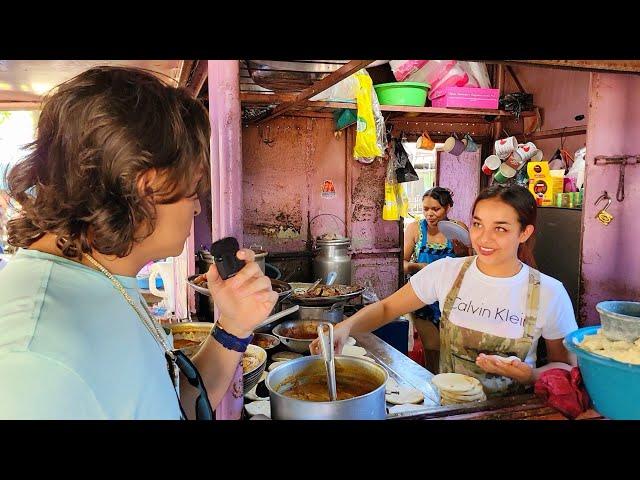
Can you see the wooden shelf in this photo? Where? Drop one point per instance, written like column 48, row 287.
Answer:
column 390, row 112
column 557, row 133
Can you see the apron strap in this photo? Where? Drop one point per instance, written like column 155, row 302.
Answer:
column 533, row 303
column 455, row 288
column 445, row 340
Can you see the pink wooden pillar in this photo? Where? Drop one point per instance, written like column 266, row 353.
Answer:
column 226, row 183
column 610, row 254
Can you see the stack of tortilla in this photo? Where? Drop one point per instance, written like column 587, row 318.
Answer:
column 457, row 388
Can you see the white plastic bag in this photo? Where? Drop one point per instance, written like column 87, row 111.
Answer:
column 343, row 91
column 577, row 169
column 477, row 73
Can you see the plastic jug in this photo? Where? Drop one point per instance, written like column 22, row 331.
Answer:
column 166, row 270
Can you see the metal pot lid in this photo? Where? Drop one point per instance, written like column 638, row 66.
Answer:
column 331, row 241
column 259, row 251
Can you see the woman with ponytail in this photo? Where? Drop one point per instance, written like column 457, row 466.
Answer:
column 495, row 305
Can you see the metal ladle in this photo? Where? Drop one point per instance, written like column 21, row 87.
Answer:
column 331, row 278
column 277, row 316
column 326, row 343
column 313, row 285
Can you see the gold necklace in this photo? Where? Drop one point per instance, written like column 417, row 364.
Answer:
column 152, row 326
column 149, row 322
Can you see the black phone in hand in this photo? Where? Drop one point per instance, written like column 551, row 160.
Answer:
column 224, row 255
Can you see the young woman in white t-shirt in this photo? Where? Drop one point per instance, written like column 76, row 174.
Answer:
column 494, row 305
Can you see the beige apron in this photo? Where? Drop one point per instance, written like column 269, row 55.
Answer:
column 460, row 346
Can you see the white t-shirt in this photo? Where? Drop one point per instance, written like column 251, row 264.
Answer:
column 497, row 305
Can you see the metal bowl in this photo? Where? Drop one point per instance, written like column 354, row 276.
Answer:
column 270, row 341
column 292, row 332
column 201, row 290
column 620, row 320
column 191, row 331
column 251, row 378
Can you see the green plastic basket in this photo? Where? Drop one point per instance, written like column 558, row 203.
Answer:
column 413, row 94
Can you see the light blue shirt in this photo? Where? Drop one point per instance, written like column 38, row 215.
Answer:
column 71, row 346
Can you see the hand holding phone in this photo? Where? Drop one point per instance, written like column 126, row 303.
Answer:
column 224, row 253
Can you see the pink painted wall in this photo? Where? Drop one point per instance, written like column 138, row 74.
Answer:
column 285, row 164
column 611, row 254
column 462, row 176
column 562, row 94
column 368, row 230
column 283, row 180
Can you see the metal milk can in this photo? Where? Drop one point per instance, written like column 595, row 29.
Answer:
column 333, row 256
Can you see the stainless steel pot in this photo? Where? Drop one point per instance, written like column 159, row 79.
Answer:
column 370, row 406
column 333, row 256
column 261, row 255
column 333, row 314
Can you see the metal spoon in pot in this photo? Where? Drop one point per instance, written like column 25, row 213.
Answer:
column 314, row 285
column 326, row 343
column 279, row 315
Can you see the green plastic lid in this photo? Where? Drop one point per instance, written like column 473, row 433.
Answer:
column 403, row 84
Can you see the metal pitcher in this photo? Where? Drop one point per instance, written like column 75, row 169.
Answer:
column 333, row 256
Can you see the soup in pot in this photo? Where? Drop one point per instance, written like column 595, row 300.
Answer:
column 315, row 389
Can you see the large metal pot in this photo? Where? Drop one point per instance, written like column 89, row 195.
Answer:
column 261, row 255
column 370, row 406
column 333, row 256
column 333, row 314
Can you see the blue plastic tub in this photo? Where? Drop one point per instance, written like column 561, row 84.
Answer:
column 614, row 387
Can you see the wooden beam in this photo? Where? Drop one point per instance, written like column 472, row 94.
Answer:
column 515, row 78
column 557, row 133
column 311, row 114
column 340, row 74
column 198, row 78
column 500, row 86
column 614, row 66
column 252, row 98
column 185, row 71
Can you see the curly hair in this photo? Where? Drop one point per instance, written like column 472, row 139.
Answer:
column 97, row 134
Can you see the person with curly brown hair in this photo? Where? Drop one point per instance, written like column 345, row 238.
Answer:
column 112, row 181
